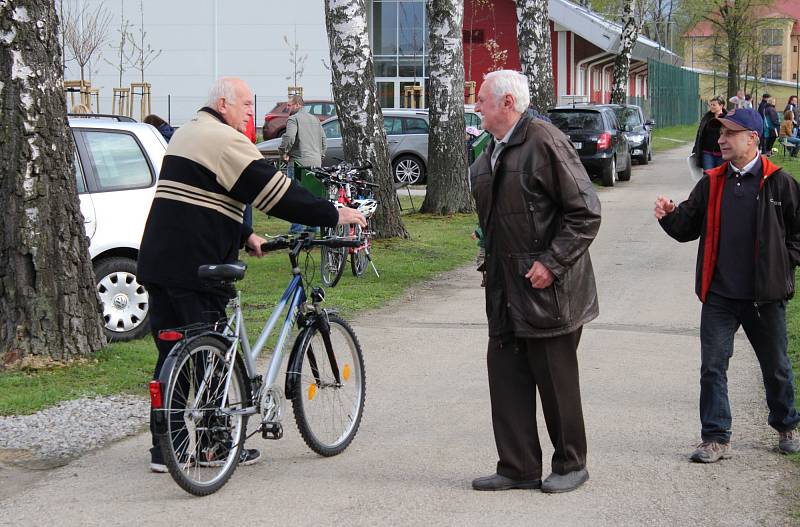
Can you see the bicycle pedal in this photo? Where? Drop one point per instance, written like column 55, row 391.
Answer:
column 272, row 431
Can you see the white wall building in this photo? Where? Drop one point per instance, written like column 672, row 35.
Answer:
column 205, row 39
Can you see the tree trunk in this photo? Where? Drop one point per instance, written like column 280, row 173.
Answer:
column 360, row 117
column 47, row 296
column 622, row 63
column 448, row 188
column 535, row 57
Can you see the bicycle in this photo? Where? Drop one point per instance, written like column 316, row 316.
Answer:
column 209, row 386
column 346, row 190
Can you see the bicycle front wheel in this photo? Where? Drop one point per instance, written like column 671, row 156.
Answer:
column 332, row 260
column 359, row 260
column 204, row 431
column 329, row 398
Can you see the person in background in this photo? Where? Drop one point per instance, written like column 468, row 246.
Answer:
column 161, row 125
column 748, row 101
column 761, row 108
column 739, row 100
column 791, row 106
column 250, row 132
column 746, row 214
column 772, row 124
column 303, row 144
column 787, row 132
column 706, row 149
column 81, row 109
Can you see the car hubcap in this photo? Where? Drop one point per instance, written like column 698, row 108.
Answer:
column 124, row 301
column 407, row 171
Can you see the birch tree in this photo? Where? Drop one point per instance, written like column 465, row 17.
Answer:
column 535, row 55
column 47, row 292
column 360, row 117
column 448, row 190
column 622, row 62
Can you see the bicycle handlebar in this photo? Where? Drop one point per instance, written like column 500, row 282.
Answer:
column 306, row 242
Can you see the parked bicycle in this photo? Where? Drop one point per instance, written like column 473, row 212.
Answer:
column 347, row 188
column 209, row 385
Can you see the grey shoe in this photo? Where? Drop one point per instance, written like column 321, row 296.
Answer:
column 498, row 482
column 789, row 442
column 565, row 482
column 711, row 452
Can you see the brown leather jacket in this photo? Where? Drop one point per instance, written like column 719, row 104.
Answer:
column 538, row 204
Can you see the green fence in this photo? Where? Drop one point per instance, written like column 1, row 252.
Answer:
column 674, row 94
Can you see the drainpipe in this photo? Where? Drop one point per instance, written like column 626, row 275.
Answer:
column 604, row 70
column 585, row 76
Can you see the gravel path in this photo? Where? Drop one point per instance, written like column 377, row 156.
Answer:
column 61, row 433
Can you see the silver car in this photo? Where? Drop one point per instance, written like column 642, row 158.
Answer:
column 406, row 134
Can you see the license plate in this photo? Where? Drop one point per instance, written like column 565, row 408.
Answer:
column 637, row 152
column 578, row 146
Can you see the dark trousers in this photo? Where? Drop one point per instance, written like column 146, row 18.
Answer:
column 172, row 307
column 517, row 368
column 765, row 327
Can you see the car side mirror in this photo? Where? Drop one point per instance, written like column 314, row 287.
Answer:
column 650, row 122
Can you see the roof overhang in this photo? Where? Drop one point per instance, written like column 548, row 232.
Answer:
column 603, row 33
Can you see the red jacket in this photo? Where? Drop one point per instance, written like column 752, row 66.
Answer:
column 777, row 249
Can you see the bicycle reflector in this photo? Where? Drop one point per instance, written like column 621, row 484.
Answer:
column 156, row 401
column 170, row 335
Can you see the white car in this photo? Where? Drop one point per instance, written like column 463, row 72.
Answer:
column 117, row 162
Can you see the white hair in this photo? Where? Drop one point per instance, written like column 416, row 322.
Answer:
column 510, row 82
column 223, row 88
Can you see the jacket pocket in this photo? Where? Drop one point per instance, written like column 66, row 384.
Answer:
column 540, row 308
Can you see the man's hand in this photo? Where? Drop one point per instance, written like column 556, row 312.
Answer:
column 540, row 276
column 286, row 157
column 351, row 216
column 663, row 207
column 253, row 245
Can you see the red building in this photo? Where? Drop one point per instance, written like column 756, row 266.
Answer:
column 583, row 44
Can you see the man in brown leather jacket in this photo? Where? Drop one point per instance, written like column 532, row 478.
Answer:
column 539, row 214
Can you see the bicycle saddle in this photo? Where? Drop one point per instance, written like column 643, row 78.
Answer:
column 222, row 272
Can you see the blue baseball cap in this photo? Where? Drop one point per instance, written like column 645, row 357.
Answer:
column 741, row 119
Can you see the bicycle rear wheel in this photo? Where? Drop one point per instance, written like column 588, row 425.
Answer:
column 328, row 401
column 359, row 260
column 203, row 441
column 333, row 260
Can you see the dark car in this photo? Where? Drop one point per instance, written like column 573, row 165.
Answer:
column 275, row 120
column 638, row 131
column 598, row 138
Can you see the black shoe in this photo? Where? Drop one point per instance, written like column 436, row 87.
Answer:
column 498, row 482
column 565, row 482
column 248, row 456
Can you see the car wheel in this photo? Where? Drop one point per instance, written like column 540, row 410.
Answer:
column 645, row 157
column 609, row 174
column 625, row 175
column 408, row 170
column 124, row 301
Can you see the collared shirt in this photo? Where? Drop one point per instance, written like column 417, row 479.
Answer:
column 734, row 276
column 500, row 145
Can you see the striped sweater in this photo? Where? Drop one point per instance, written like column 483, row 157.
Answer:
column 209, row 172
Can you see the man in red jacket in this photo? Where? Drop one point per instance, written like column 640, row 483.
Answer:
column 746, row 213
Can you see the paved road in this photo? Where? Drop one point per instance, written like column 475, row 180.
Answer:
column 426, row 431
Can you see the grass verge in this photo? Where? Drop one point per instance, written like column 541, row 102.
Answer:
column 673, row 137
column 437, row 244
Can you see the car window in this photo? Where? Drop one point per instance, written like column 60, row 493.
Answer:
column 611, row 121
column 577, row 120
column 629, row 117
column 413, row 125
column 118, row 160
column 332, row 130
column 314, row 109
column 472, row 119
column 392, row 125
column 81, row 183
column 330, row 109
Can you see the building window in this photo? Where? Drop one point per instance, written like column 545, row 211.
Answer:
column 474, row 36
column 772, row 37
column 772, row 66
